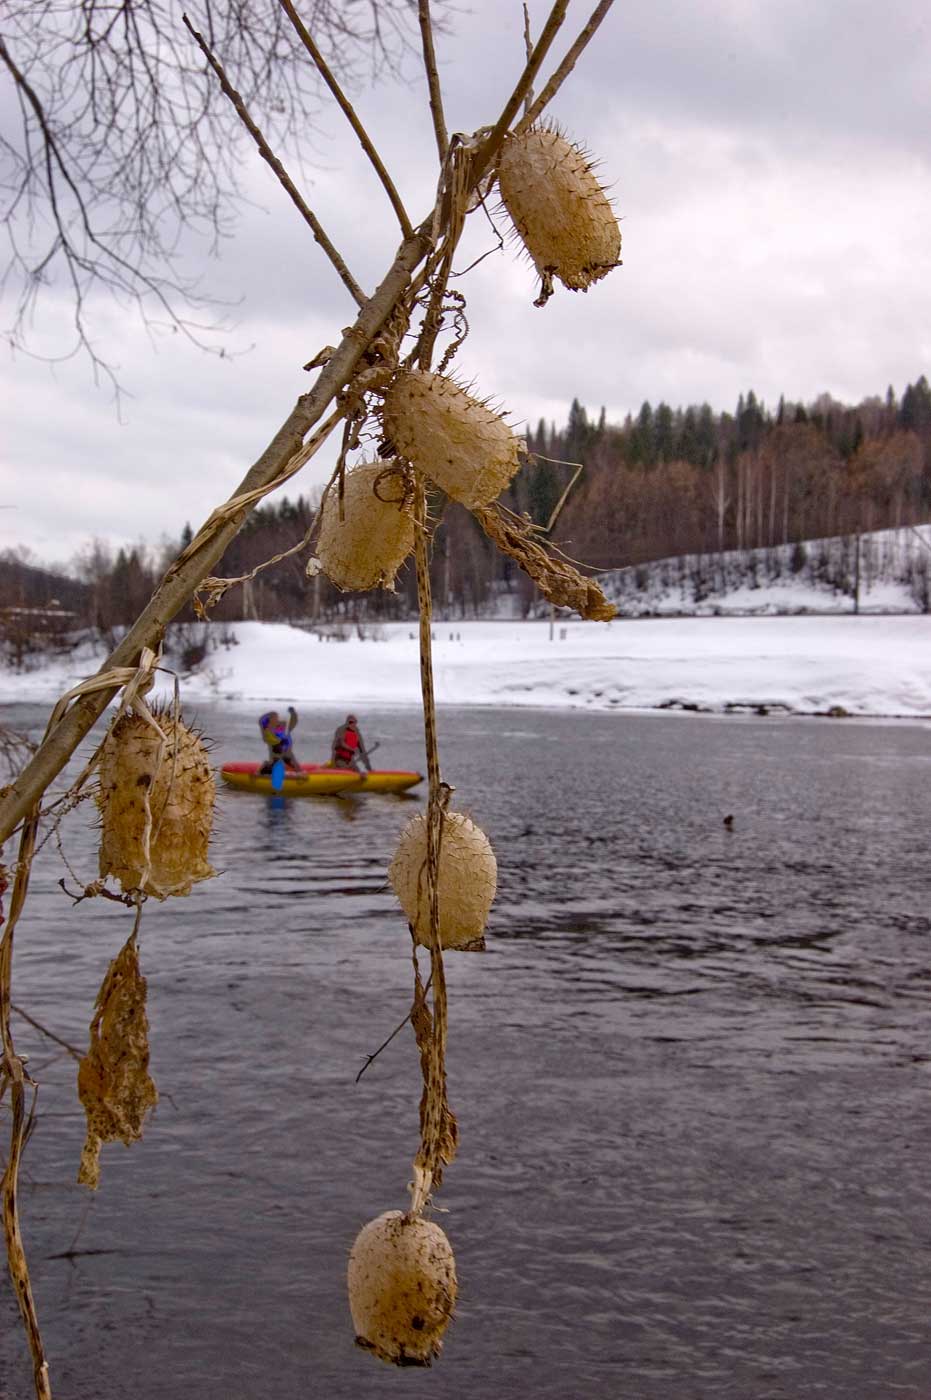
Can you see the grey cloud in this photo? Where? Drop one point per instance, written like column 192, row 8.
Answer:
column 767, row 162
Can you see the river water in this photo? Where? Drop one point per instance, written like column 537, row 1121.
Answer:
column 691, row 1072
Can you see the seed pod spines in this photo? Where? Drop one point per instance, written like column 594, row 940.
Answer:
column 454, row 438
column 558, row 208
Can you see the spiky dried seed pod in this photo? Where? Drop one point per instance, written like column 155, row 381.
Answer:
column 113, row 1078
column 468, row 878
column 402, row 1288
column 559, row 210
column 367, row 547
column 453, row 438
column 169, row 794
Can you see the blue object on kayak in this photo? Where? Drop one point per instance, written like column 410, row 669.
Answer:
column 277, row 775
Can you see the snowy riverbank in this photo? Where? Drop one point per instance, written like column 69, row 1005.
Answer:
column 868, row 666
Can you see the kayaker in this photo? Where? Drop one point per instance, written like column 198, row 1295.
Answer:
column 349, row 750
column 277, row 736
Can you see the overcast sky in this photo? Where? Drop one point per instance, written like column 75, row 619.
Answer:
column 769, row 160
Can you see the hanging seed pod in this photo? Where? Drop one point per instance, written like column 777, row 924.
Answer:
column 155, row 794
column 559, row 210
column 453, row 438
column 113, row 1078
column 376, row 534
column 468, row 878
column 402, row 1288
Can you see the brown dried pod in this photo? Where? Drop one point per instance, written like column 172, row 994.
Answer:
column 557, row 579
column 158, row 793
column 454, row 439
column 113, row 1078
column 369, row 544
column 468, row 878
column 559, row 210
column 402, row 1288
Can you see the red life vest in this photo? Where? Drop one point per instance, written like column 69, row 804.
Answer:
column 345, row 748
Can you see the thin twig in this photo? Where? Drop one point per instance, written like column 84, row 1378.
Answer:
column 369, row 1059
column 565, row 68
column 528, row 49
column 349, row 112
column 489, row 147
column 557, row 510
column 37, row 1025
column 267, row 154
column 433, row 79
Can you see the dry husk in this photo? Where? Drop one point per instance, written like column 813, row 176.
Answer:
column 454, row 439
column 113, row 1078
column 402, row 1288
column 468, row 877
column 367, row 547
column 558, row 208
column 558, row 581
column 169, row 795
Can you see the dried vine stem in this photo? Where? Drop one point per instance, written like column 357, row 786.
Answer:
column 267, row 154
column 14, row 1075
column 437, row 1125
column 348, row 110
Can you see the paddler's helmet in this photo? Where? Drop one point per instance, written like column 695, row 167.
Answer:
column 351, row 719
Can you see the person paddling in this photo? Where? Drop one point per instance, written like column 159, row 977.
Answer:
column 349, row 750
column 277, row 736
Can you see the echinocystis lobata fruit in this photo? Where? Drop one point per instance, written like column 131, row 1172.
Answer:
column 367, row 547
column 468, row 878
column 558, row 208
column 171, row 795
column 402, row 1288
column 453, row 438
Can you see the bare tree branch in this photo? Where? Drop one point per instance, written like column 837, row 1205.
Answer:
column 433, row 78
column 347, row 108
column 267, row 154
column 528, row 50
column 489, row 148
column 147, row 153
column 566, row 67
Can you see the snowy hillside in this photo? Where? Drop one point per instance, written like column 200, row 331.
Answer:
column 893, row 572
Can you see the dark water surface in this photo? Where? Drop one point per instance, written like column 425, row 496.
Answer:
column 692, row 1076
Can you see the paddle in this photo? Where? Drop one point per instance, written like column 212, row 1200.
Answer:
column 277, row 775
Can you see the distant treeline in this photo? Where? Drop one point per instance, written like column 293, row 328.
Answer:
column 665, row 482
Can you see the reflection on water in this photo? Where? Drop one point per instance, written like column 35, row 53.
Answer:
column 691, row 1073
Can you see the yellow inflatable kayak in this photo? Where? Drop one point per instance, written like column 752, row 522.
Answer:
column 317, row 780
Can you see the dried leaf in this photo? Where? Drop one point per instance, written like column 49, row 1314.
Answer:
column 556, row 579
column 113, row 1078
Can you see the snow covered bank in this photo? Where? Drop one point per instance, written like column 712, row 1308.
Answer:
column 862, row 665
column 888, row 570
